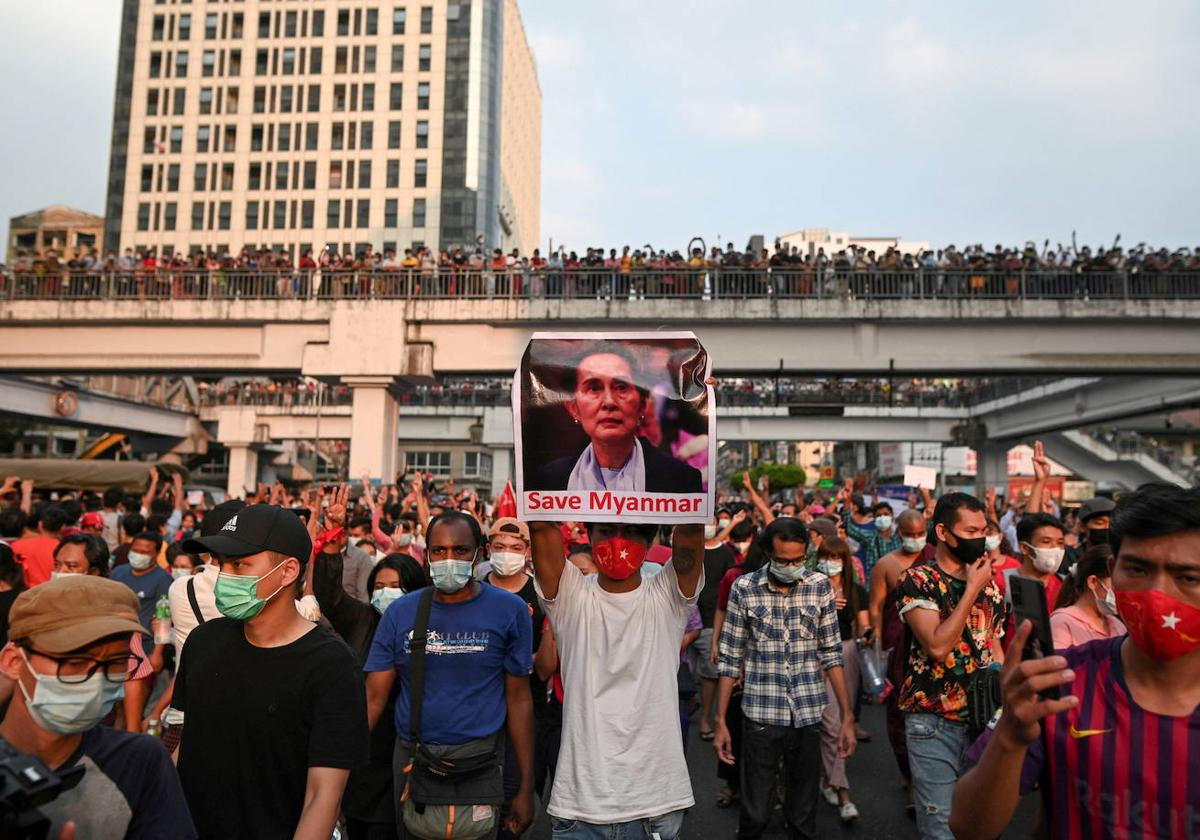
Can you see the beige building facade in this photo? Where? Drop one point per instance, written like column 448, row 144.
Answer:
column 312, row 124
column 810, row 240
column 64, row 230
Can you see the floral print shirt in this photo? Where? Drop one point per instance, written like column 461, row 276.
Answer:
column 940, row 687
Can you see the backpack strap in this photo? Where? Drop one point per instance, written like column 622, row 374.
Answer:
column 191, row 593
column 420, row 636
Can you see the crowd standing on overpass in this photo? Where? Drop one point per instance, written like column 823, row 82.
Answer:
column 356, row 659
column 854, row 272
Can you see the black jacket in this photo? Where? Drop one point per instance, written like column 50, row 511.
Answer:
column 664, row 474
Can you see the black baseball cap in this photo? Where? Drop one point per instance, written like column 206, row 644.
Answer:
column 215, row 519
column 257, row 528
column 1095, row 507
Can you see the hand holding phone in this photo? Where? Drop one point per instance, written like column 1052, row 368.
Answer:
column 1029, row 603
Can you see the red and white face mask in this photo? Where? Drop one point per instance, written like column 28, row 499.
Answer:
column 617, row 557
column 1161, row 626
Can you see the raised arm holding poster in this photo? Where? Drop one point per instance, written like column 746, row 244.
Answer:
column 614, row 427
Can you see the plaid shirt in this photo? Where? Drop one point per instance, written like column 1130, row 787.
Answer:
column 785, row 642
column 874, row 544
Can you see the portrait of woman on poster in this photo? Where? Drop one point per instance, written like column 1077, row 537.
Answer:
column 610, row 407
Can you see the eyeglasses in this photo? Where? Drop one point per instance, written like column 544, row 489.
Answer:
column 452, row 552
column 73, row 670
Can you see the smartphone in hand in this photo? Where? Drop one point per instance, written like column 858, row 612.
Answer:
column 1029, row 602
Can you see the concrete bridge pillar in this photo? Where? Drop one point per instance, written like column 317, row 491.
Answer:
column 991, row 468
column 243, row 470
column 373, row 427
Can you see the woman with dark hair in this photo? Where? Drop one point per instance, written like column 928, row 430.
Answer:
column 610, row 407
column 12, row 584
column 367, row 803
column 834, row 559
column 1086, row 609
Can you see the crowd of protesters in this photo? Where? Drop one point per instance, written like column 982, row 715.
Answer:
column 630, row 273
column 367, row 659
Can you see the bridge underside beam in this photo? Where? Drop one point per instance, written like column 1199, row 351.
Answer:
column 94, row 411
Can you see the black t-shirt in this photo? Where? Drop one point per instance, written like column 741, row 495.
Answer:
column 528, row 594
column 717, row 561
column 846, row 615
column 257, row 719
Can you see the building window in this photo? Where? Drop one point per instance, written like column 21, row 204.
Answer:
column 285, row 137
column 340, row 62
column 280, row 221
column 197, row 215
column 255, row 179
column 422, row 135
column 423, row 96
column 368, row 97
column 393, row 134
column 306, row 213
column 231, row 100
column 181, row 64
column 420, row 173
column 208, row 62
column 395, row 96
column 372, row 22
column 185, row 27
column 477, row 465
column 390, row 212
column 143, row 216
column 310, row 137
column 337, row 139
column 235, row 63
column 335, row 174
column 170, row 211
column 426, row 20
column 314, row 98
column 393, row 174
column 230, row 138
column 252, row 215
column 203, row 134
column 176, row 139
column 147, row 178
column 398, row 16
column 424, row 58
column 366, row 136
column 226, row 176
column 339, row 97
column 206, row 97
column 264, row 24
column 200, row 177
column 318, row 24
column 364, row 174
column 289, row 25
column 397, row 58
column 314, row 60
column 173, row 178
column 224, row 215
column 155, row 65
column 310, row 175
column 364, row 213
column 152, row 102
column 180, row 102
column 437, row 463
column 368, row 59
column 289, row 62
column 281, row 175
column 418, row 212
column 210, row 26
column 285, row 99
column 333, row 213
column 256, row 137
column 343, row 22
column 159, row 28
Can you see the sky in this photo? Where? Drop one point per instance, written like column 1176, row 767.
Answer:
column 667, row 119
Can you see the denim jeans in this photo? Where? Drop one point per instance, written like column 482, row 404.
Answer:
column 667, row 827
column 936, row 748
column 763, row 746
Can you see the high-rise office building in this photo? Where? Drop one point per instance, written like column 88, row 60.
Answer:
column 300, row 124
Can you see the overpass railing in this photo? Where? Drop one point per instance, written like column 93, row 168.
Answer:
column 696, row 283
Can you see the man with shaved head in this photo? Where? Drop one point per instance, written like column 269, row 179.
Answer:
column 888, row 627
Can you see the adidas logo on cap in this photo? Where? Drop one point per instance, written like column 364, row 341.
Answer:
column 231, row 525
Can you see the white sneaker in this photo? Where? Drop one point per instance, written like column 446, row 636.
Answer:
column 831, row 796
column 848, row 812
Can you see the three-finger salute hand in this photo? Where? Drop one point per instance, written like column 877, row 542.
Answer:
column 1020, row 683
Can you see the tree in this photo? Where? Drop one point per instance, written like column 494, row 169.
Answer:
column 781, row 476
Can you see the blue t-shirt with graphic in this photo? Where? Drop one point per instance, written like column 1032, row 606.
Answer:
column 471, row 645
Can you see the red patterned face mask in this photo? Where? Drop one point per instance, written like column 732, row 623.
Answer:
column 1163, row 627
column 618, row 557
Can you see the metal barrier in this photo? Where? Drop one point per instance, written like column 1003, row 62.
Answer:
column 683, row 282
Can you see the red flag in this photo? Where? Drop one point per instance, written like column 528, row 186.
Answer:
column 506, row 505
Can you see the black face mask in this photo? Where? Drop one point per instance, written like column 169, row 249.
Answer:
column 968, row 550
column 1097, row 536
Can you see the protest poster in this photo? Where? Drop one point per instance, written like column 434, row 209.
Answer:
column 920, row 477
column 615, row 427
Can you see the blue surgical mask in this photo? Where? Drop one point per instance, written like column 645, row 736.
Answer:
column 382, row 598
column 449, row 576
column 786, row 572
column 68, row 708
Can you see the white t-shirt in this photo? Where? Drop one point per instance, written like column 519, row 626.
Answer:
column 622, row 750
column 183, row 617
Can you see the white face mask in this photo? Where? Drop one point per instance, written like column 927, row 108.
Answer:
column 140, row 561
column 991, row 542
column 912, row 545
column 403, row 541
column 883, row 522
column 1046, row 560
column 507, row 563
column 57, row 575
column 742, row 547
column 382, row 598
column 179, row 574
column 710, row 531
column 829, row 567
column 67, row 708
column 1108, row 604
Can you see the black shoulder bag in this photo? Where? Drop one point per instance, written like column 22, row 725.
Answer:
column 453, row 791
